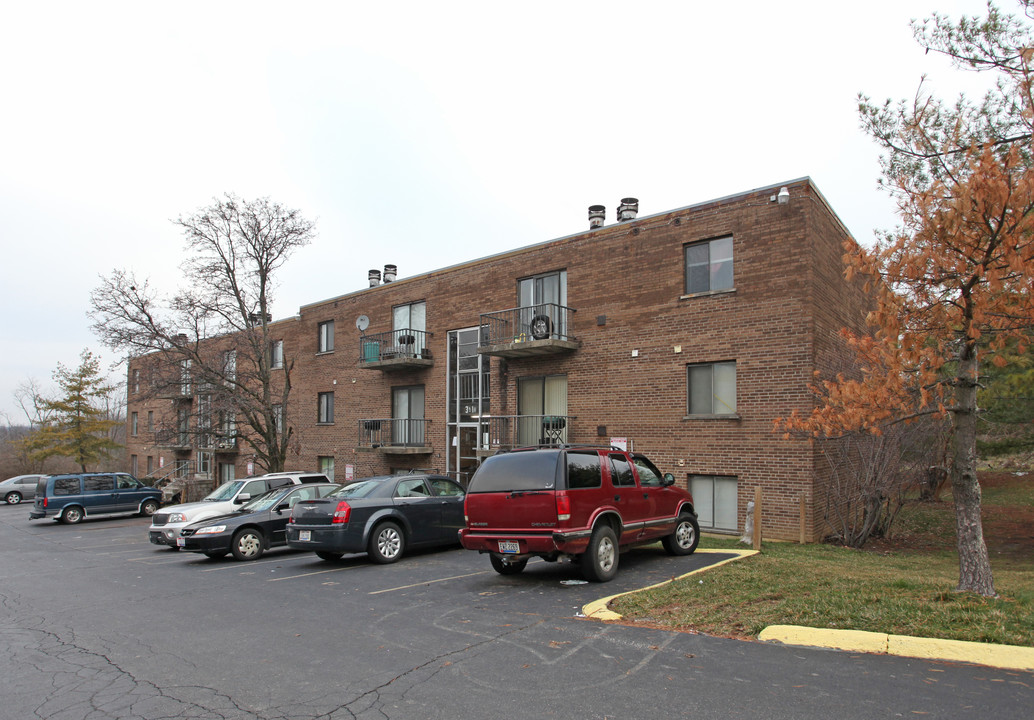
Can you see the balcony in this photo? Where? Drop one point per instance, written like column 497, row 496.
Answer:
column 394, row 436
column 505, row 432
column 173, row 439
column 526, row 331
column 226, row 445
column 396, row 350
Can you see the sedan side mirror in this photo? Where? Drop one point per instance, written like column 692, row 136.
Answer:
column 668, row 481
column 242, row 498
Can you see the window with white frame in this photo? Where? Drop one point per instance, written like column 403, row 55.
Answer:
column 326, row 464
column 410, row 321
column 136, row 380
column 325, row 337
column 204, row 463
column 230, row 365
column 325, row 407
column 715, row 499
column 276, row 354
column 709, row 266
column 278, row 419
column 711, row 388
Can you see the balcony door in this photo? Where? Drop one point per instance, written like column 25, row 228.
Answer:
column 407, row 416
column 540, row 298
column 542, row 407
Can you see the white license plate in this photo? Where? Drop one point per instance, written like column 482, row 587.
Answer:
column 304, row 535
column 508, row 546
column 181, row 542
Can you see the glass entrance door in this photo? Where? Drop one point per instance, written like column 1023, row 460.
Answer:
column 469, row 402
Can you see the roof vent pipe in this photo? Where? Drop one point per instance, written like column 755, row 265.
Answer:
column 375, row 278
column 628, row 209
column 390, row 273
column 597, row 216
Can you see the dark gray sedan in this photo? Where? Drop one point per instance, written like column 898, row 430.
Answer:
column 381, row 516
column 21, row 487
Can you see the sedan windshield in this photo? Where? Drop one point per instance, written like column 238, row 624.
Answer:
column 226, row 491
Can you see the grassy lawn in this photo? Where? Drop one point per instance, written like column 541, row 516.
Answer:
column 904, row 586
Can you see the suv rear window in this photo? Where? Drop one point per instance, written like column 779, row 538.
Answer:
column 516, row 471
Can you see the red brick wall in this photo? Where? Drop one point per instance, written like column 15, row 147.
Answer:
column 777, row 324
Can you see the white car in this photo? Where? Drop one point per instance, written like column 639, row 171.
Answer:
column 167, row 523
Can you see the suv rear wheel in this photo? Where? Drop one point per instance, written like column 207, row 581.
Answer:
column 600, row 562
column 505, row 567
column 72, row 514
column 685, row 538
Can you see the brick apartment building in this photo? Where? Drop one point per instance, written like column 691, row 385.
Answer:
column 682, row 335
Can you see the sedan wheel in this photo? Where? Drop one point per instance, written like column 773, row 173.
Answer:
column 386, row 543
column 13, row 498
column 247, row 545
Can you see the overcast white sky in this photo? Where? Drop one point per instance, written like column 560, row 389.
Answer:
column 416, row 133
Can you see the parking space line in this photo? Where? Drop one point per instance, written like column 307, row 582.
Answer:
column 236, row 565
column 316, row 572
column 428, row 582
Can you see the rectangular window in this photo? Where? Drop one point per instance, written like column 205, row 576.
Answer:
column 136, row 380
column 326, row 337
column 325, row 407
column 711, row 389
column 150, row 465
column 542, row 300
column 185, row 377
column 227, row 472
column 133, row 424
column 715, row 500
column 134, row 465
column 204, row 463
column 230, row 366
column 276, row 354
column 327, row 466
column 409, row 323
column 150, row 421
column 709, row 266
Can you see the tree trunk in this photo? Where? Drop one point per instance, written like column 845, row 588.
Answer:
column 974, row 564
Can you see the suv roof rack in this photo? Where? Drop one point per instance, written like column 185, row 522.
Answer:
column 562, row 446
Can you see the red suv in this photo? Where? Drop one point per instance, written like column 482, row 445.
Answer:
column 584, row 503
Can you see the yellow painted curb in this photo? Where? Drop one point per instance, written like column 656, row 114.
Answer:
column 598, row 610
column 1010, row 657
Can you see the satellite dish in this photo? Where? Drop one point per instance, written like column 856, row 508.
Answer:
column 362, row 322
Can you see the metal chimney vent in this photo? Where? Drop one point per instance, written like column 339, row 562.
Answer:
column 628, row 209
column 597, row 216
column 375, row 278
column 390, row 273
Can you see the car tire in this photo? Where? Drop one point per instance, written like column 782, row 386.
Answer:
column 328, row 556
column 600, row 561
column 148, row 508
column 541, row 327
column 13, row 498
column 386, row 543
column 214, row 554
column 504, row 567
column 71, row 514
column 685, row 538
column 247, row 544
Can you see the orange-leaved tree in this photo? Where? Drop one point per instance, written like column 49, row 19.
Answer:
column 953, row 281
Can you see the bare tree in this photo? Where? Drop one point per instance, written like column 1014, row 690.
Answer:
column 213, row 336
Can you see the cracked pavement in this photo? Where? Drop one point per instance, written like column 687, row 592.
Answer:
column 97, row 623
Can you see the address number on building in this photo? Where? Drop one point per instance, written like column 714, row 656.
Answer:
column 508, row 546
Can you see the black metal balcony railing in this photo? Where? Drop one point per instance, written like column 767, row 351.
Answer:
column 403, row 344
column 509, row 431
column 171, row 438
column 546, row 321
column 393, row 432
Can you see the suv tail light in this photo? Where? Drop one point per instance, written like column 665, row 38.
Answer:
column 563, row 506
column 341, row 513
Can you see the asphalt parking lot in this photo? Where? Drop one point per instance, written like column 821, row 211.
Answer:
column 98, row 623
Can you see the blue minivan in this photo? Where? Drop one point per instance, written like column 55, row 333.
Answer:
column 70, row 498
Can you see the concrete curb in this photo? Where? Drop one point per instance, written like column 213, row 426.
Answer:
column 1008, row 657
column 598, row 610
